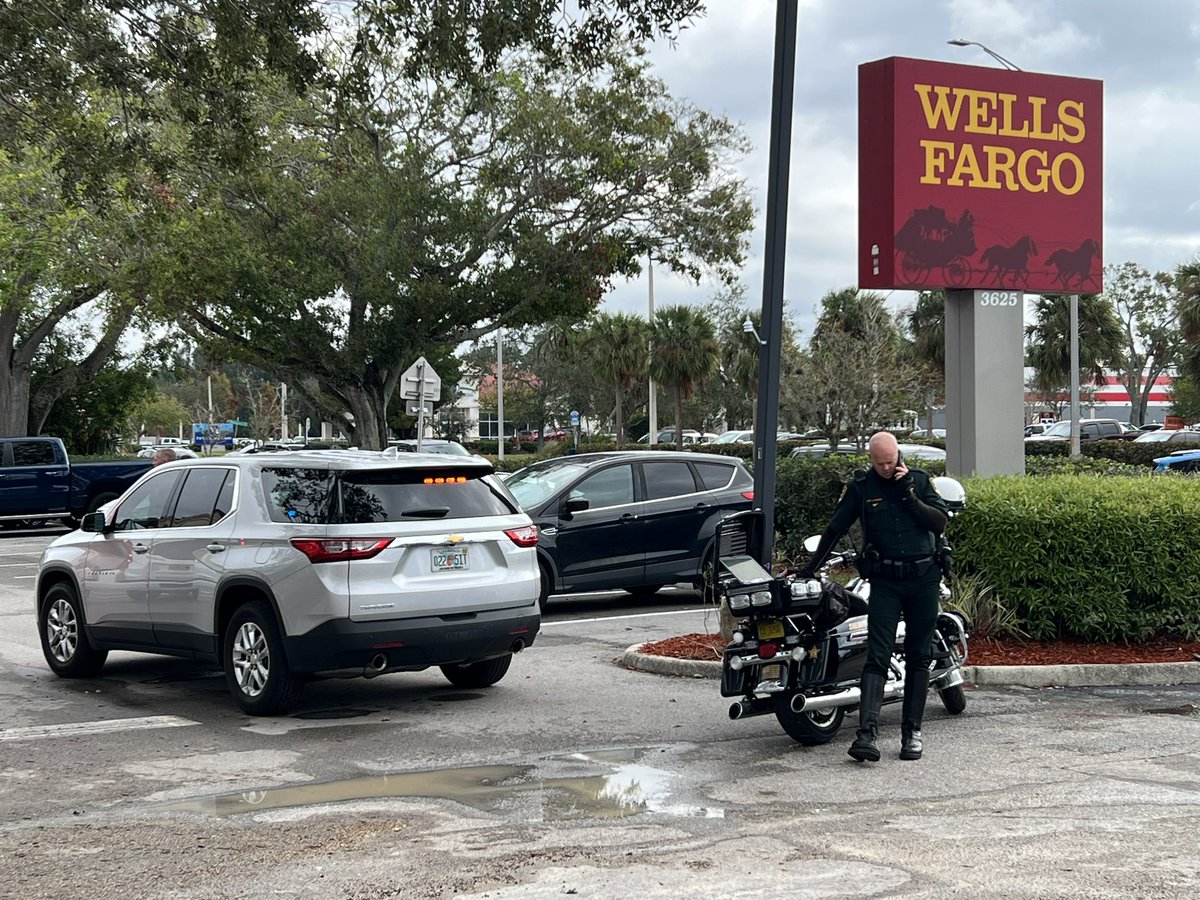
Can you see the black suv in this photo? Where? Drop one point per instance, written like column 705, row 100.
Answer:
column 634, row 520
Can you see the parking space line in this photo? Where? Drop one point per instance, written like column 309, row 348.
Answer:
column 103, row 726
column 673, row 612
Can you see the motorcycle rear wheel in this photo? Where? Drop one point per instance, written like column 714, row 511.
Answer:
column 808, row 728
column 953, row 699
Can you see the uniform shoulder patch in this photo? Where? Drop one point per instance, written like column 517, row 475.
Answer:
column 860, row 475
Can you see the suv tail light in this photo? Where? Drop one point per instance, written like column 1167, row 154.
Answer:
column 319, row 551
column 523, row 537
column 749, row 495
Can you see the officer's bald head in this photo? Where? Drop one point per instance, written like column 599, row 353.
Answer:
column 884, row 453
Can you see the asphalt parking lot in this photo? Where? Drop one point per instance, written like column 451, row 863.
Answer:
column 574, row 776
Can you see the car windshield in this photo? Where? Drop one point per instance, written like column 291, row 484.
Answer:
column 730, row 437
column 1152, row 437
column 537, row 484
column 1058, row 429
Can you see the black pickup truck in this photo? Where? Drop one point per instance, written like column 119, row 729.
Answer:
column 39, row 482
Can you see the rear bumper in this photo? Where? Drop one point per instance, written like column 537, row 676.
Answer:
column 342, row 647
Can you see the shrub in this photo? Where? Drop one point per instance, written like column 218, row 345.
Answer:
column 1106, row 559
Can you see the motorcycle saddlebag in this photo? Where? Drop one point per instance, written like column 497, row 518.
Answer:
column 837, row 605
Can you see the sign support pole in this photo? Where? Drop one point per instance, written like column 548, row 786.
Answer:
column 420, row 403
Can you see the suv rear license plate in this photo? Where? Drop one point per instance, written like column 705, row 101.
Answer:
column 768, row 630
column 449, row 560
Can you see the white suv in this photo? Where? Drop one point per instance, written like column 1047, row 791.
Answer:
column 283, row 567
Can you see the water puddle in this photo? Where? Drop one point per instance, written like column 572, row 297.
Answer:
column 629, row 789
column 1187, row 709
column 343, row 712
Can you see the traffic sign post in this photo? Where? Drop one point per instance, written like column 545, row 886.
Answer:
column 575, row 427
column 419, row 382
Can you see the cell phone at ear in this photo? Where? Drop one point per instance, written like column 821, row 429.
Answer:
column 899, row 458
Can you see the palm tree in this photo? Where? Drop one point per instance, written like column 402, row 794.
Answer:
column 685, row 354
column 617, row 345
column 1187, row 280
column 927, row 323
column 1048, row 339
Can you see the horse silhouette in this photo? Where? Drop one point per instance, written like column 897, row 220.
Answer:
column 1012, row 260
column 1074, row 265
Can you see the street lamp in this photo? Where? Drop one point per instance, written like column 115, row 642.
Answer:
column 1074, row 312
column 959, row 42
column 748, row 327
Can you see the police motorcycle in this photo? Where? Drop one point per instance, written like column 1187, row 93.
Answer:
column 800, row 645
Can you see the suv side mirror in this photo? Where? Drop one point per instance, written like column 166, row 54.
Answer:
column 573, row 505
column 93, row 522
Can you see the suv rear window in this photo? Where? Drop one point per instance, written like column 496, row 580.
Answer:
column 394, row 495
column 309, row 496
column 298, row 495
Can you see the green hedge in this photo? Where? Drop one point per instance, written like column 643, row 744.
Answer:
column 1104, row 559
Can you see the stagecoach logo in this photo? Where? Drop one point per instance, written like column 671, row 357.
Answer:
column 979, row 178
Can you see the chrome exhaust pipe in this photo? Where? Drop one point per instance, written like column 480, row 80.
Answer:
column 518, row 645
column 849, row 697
column 377, row 666
column 745, row 709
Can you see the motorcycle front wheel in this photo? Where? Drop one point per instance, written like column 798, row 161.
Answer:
column 953, row 699
column 808, row 728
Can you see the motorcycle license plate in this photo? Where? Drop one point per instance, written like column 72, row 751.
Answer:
column 767, row 630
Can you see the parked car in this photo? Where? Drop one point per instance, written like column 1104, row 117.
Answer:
column 629, row 520
column 150, row 440
column 734, row 437
column 1089, row 430
column 667, row 436
column 1036, row 428
column 180, row 452
column 1173, row 436
column 38, row 481
column 925, row 433
column 432, row 445
column 1186, row 462
column 819, row 451
column 910, row 451
column 286, row 566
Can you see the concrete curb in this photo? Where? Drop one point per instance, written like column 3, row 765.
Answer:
column 1023, row 676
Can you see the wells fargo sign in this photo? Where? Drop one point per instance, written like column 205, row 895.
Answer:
column 978, row 178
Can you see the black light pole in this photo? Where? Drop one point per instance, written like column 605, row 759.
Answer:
column 767, row 420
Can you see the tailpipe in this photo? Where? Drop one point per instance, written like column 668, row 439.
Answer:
column 518, row 645
column 377, row 666
column 851, row 696
column 750, row 706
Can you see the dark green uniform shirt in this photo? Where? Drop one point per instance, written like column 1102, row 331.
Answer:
column 889, row 527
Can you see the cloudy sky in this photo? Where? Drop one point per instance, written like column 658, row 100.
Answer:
column 1146, row 53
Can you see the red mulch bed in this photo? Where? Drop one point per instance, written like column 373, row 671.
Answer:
column 988, row 652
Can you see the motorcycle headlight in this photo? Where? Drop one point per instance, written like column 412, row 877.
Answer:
column 739, row 601
column 760, row 598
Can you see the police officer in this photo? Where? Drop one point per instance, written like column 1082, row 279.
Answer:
column 902, row 515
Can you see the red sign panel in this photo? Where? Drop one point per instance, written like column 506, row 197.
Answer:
column 978, row 178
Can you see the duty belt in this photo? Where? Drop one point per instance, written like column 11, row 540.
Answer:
column 904, row 569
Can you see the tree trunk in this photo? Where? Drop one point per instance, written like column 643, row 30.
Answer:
column 370, row 426
column 678, row 419
column 14, row 388
column 619, row 419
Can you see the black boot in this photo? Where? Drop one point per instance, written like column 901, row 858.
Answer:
column 916, row 688
column 864, row 748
